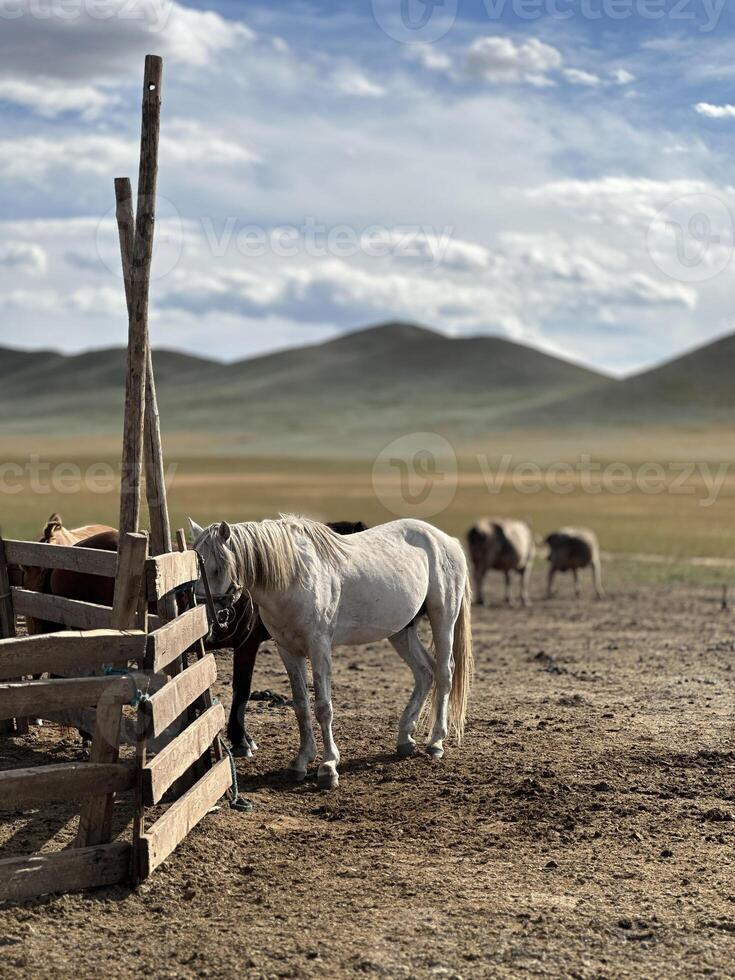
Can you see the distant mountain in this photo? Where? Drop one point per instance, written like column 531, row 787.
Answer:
column 365, row 385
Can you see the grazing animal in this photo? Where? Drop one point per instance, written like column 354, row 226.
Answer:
column 572, row 548
column 505, row 546
column 316, row 590
column 70, row 584
column 244, row 633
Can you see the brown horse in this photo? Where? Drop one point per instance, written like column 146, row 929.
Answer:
column 71, row 585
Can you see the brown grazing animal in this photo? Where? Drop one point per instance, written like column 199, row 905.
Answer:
column 572, row 548
column 504, row 546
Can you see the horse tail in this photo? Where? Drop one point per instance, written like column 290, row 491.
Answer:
column 463, row 664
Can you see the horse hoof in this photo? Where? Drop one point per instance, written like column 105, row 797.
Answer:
column 435, row 751
column 406, row 749
column 242, row 752
column 327, row 780
column 297, row 775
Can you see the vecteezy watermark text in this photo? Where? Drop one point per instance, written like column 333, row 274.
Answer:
column 421, row 242
column 426, row 21
column 418, row 475
column 154, row 14
column 44, row 477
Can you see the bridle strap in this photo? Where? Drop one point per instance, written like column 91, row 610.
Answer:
column 207, row 591
column 211, row 609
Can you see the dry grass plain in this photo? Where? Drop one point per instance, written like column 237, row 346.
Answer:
column 669, row 494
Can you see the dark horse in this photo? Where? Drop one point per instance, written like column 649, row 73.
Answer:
column 244, row 633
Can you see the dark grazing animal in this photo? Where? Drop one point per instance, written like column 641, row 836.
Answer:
column 572, row 548
column 505, row 546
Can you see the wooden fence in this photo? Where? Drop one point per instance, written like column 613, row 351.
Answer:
column 111, row 658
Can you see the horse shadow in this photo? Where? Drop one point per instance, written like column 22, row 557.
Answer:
column 282, row 780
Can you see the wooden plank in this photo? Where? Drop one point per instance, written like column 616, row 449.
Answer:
column 182, row 816
column 173, row 639
column 7, row 617
column 74, row 650
column 186, row 749
column 129, row 582
column 95, row 819
column 84, row 720
column 22, row 788
column 167, row 704
column 22, row 878
column 7, row 624
column 91, row 561
column 35, row 698
column 64, row 612
column 167, row 572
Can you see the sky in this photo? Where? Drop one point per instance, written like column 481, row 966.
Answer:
column 557, row 172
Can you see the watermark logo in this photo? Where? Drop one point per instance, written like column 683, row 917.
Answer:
column 416, row 475
column 691, row 239
column 415, row 21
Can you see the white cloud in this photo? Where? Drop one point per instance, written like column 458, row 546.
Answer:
column 620, row 201
column 33, row 158
column 48, row 98
column 59, row 63
column 622, row 76
column 24, row 257
column 715, row 111
column 429, row 57
column 575, row 76
column 500, row 59
column 99, row 45
column 353, row 82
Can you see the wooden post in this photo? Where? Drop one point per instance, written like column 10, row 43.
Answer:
column 133, row 434
column 7, row 621
column 153, row 450
column 95, row 823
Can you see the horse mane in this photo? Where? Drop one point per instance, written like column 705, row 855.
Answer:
column 270, row 555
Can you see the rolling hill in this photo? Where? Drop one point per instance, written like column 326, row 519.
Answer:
column 355, row 392
column 694, row 388
column 364, row 385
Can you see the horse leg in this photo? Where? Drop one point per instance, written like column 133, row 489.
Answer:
column 412, row 651
column 508, row 597
column 525, row 583
column 575, row 573
column 243, row 662
column 442, row 627
column 479, row 575
column 321, row 665
column 296, row 670
column 550, row 582
column 597, row 579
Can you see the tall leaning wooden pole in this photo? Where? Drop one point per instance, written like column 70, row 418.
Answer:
column 155, row 475
column 133, row 433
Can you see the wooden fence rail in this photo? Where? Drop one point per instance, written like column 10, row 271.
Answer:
column 34, row 554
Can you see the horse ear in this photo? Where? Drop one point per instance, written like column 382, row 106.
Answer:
column 225, row 531
column 195, row 529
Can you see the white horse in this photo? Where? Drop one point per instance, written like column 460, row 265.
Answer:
column 316, row 590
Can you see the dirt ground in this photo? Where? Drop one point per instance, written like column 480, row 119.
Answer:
column 584, row 829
